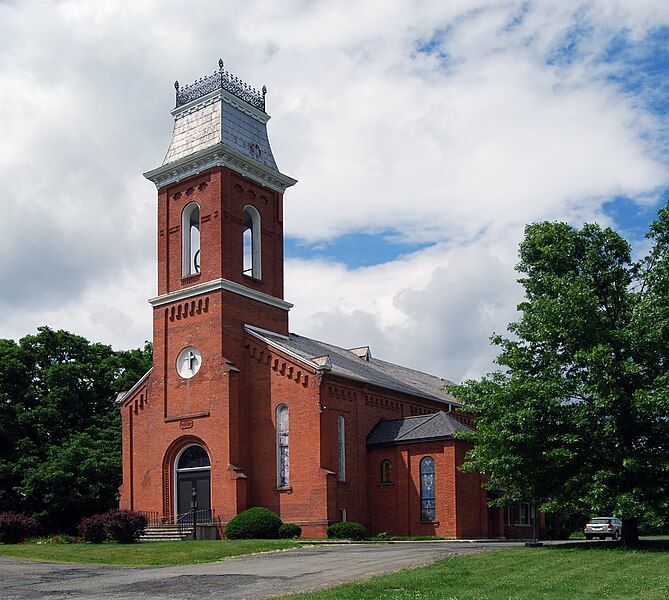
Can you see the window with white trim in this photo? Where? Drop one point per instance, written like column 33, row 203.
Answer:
column 341, row 447
column 282, row 450
column 251, row 241
column 190, row 239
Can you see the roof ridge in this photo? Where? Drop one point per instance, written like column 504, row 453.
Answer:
column 387, row 362
column 411, row 417
column 373, row 359
column 431, row 417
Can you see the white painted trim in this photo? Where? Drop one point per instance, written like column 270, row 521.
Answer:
column 256, row 241
column 341, row 447
column 278, row 454
column 142, row 379
column 260, row 330
column 186, row 248
column 219, row 155
column 304, row 361
column 219, row 284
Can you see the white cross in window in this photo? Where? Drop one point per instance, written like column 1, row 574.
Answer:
column 190, row 357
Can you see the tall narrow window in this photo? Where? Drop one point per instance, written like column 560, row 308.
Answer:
column 282, row 455
column 251, row 242
column 341, row 447
column 427, row 499
column 190, row 239
column 386, row 471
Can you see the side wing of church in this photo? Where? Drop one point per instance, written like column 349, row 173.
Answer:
column 239, row 412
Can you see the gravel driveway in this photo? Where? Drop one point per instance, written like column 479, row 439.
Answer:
column 251, row 576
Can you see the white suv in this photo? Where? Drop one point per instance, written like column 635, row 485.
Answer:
column 603, row 527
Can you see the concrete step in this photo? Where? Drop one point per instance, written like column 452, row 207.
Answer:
column 166, row 533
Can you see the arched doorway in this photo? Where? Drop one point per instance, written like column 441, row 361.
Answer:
column 192, row 470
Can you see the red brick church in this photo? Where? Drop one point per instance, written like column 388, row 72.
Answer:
column 242, row 412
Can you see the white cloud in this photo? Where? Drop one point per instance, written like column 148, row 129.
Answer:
column 459, row 147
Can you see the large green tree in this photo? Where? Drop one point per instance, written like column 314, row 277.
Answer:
column 577, row 419
column 60, row 446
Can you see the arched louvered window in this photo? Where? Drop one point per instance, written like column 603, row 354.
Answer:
column 190, row 239
column 251, row 242
column 427, row 490
column 341, row 447
column 282, row 450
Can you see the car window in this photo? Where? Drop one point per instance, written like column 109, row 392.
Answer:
column 599, row 521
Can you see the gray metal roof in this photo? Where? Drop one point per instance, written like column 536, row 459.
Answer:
column 220, row 109
column 349, row 364
column 218, row 121
column 439, row 425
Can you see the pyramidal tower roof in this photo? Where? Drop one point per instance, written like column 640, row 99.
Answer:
column 220, row 121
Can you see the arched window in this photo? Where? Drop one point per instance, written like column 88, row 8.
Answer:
column 386, row 471
column 427, row 499
column 190, row 239
column 282, row 453
column 192, row 480
column 193, row 457
column 341, row 447
column 251, row 242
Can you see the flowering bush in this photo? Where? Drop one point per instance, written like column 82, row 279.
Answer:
column 94, row 528
column 125, row 526
column 16, row 528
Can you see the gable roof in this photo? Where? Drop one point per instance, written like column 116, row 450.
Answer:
column 439, row 425
column 357, row 365
column 123, row 396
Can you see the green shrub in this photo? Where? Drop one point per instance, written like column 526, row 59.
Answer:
column 94, row 528
column 16, row 528
column 125, row 526
column 254, row 524
column 289, row 531
column 348, row 530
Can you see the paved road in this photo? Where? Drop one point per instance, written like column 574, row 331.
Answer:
column 253, row 576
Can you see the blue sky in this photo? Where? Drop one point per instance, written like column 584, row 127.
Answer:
column 638, row 68
column 424, row 136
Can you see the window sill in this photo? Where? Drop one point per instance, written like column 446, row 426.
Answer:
column 252, row 278
column 342, row 482
column 429, row 522
column 286, row 488
column 386, row 483
column 190, row 278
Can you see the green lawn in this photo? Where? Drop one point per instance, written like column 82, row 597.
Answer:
column 589, row 571
column 144, row 554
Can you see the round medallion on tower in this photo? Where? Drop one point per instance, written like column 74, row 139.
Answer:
column 189, row 362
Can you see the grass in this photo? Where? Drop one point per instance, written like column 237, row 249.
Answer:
column 575, row 572
column 144, row 554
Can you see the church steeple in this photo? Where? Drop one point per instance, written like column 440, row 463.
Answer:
column 220, row 201
column 220, row 121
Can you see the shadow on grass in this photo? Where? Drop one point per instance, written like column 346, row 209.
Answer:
column 641, row 546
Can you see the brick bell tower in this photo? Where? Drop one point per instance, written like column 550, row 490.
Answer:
column 220, row 266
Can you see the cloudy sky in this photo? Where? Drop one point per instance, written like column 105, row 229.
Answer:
column 424, row 136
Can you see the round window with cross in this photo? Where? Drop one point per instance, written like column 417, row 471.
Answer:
column 189, row 362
